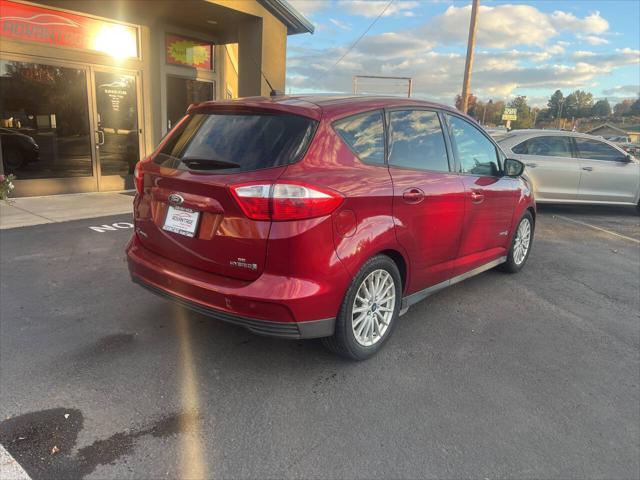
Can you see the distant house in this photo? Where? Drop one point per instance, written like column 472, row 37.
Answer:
column 607, row 130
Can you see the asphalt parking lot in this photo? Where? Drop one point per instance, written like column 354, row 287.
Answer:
column 534, row 375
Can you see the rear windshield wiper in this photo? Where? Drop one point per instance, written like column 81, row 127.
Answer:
column 208, row 163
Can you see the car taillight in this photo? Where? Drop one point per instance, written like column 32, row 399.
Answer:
column 138, row 177
column 285, row 201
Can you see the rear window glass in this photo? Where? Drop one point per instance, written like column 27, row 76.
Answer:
column 230, row 143
column 365, row 136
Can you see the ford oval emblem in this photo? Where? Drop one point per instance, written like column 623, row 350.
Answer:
column 175, row 199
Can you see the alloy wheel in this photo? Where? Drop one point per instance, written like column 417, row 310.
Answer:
column 522, row 241
column 373, row 307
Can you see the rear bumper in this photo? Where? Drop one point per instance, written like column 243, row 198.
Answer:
column 209, row 294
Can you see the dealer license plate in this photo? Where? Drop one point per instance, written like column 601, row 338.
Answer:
column 181, row 220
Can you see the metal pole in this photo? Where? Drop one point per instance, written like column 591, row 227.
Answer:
column 410, row 87
column 560, row 112
column 473, row 26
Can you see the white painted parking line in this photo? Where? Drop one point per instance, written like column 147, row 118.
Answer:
column 598, row 228
column 114, row 227
column 9, row 468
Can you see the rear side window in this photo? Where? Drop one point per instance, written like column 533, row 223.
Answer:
column 550, row 146
column 594, row 150
column 230, row 143
column 365, row 136
column 416, row 141
column 476, row 153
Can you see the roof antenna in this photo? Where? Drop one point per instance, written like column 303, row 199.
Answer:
column 273, row 92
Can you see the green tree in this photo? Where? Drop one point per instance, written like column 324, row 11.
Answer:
column 579, row 104
column 601, row 109
column 555, row 103
column 524, row 112
column 622, row 108
column 635, row 108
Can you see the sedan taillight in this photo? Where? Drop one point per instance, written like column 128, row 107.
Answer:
column 285, row 201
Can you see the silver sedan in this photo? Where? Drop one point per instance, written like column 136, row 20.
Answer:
column 571, row 167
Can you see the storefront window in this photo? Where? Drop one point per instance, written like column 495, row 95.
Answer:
column 182, row 92
column 44, row 121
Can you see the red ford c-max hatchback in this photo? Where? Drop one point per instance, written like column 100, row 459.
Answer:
column 306, row 217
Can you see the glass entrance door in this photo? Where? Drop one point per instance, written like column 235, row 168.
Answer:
column 117, row 134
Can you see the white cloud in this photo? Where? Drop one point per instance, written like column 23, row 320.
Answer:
column 372, row 8
column 593, row 23
column 623, row 90
column 593, row 39
column 339, row 24
column 498, row 27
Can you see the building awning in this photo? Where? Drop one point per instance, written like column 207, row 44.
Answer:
column 284, row 11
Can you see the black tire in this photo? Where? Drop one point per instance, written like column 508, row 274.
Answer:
column 344, row 342
column 511, row 266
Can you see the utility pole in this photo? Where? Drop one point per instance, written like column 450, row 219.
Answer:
column 561, row 102
column 468, row 66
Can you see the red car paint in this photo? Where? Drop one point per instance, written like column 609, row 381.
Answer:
column 289, row 278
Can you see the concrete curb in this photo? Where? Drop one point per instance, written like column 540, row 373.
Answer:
column 9, row 468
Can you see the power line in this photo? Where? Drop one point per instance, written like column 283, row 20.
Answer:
column 363, row 34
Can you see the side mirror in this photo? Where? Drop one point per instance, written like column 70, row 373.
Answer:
column 513, row 167
column 627, row 158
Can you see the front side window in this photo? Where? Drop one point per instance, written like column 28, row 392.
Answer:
column 416, row 141
column 594, row 150
column 365, row 136
column 550, row 146
column 476, row 153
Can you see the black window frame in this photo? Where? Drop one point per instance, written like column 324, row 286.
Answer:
column 500, row 155
column 385, row 132
column 443, row 129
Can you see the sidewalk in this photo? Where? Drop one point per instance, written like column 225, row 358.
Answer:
column 26, row 211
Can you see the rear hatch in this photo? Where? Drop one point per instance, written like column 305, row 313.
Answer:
column 186, row 211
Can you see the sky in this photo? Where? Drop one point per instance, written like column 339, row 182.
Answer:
column 526, row 48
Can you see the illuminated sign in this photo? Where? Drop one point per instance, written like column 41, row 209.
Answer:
column 189, row 52
column 31, row 23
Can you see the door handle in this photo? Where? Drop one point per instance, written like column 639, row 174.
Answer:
column 532, row 165
column 588, row 169
column 413, row 195
column 477, row 197
column 99, row 137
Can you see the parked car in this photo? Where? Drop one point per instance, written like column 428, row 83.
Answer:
column 571, row 167
column 618, row 139
column 305, row 217
column 18, row 149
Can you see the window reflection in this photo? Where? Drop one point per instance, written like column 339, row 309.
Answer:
column 117, row 123
column 365, row 135
column 476, row 153
column 417, row 141
column 44, row 121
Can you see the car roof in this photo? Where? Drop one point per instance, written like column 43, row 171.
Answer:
column 536, row 132
column 316, row 106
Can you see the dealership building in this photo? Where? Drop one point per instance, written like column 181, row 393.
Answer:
column 87, row 88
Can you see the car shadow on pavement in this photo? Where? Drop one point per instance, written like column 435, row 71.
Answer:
column 587, row 210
